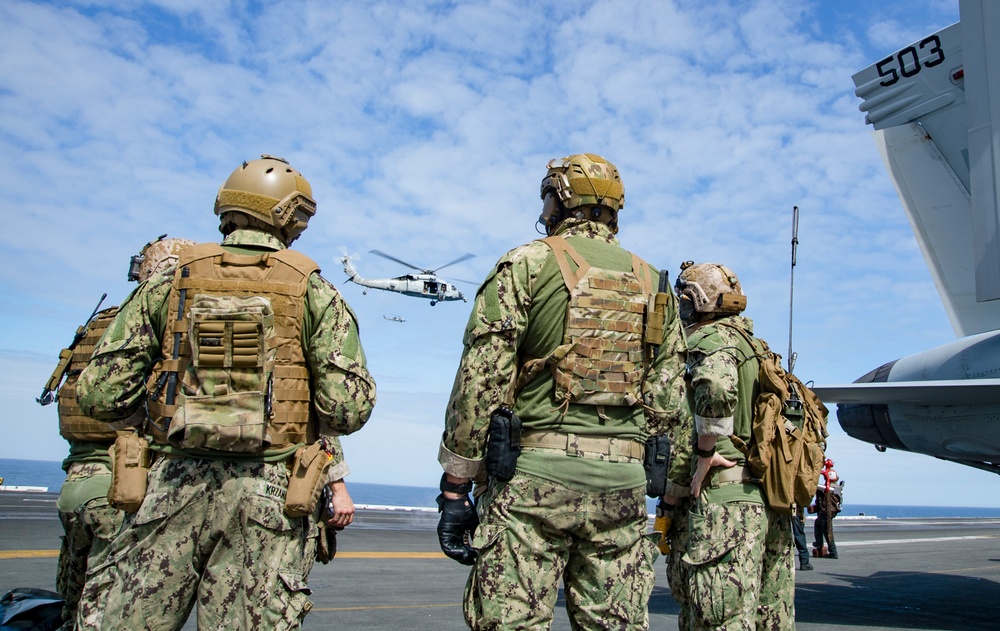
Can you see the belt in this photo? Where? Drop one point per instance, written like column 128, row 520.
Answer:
column 595, row 447
column 733, row 475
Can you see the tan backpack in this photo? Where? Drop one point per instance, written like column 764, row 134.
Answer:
column 788, row 441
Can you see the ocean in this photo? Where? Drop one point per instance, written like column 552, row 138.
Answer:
column 50, row 474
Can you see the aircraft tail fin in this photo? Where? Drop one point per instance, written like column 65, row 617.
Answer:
column 349, row 270
column 924, row 107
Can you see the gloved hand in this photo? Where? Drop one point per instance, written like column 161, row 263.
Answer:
column 458, row 517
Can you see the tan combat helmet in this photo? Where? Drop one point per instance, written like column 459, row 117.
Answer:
column 587, row 182
column 269, row 191
column 156, row 256
column 708, row 289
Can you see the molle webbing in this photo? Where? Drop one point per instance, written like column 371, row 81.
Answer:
column 73, row 425
column 280, row 276
column 602, row 358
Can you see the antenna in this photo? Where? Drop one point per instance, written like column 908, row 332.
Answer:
column 791, row 290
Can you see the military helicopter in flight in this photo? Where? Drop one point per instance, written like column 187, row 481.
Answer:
column 424, row 284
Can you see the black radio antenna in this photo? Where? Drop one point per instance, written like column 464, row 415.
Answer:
column 791, row 290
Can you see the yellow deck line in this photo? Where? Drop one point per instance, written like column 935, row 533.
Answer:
column 28, row 554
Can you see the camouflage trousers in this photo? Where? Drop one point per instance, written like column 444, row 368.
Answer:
column 212, row 532
column 678, row 572
column 535, row 534
column 741, row 567
column 89, row 524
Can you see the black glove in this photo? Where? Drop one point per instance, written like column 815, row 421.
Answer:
column 458, row 517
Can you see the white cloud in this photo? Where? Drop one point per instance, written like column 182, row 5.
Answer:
column 424, row 129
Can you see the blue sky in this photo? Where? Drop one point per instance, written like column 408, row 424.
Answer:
column 424, row 131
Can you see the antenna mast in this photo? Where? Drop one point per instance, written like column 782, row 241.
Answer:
column 791, row 291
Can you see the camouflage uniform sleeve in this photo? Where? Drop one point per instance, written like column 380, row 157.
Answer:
column 489, row 362
column 664, row 389
column 338, row 468
column 667, row 408
column 714, row 381
column 112, row 386
column 343, row 390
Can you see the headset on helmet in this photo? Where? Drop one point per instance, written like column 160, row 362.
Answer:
column 156, row 256
column 270, row 191
column 585, row 180
column 708, row 289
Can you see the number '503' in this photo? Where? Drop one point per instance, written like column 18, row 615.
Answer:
column 906, row 62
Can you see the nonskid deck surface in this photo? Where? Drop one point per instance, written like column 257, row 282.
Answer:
column 389, row 573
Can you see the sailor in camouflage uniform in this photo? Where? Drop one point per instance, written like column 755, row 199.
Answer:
column 89, row 521
column 739, row 550
column 213, row 526
column 556, row 334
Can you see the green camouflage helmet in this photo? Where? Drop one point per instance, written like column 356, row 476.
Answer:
column 584, row 179
column 708, row 289
column 271, row 191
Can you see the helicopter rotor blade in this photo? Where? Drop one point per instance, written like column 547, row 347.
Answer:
column 464, row 257
column 462, row 280
column 393, row 258
column 354, row 256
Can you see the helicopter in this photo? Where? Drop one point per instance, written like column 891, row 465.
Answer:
column 394, row 318
column 425, row 284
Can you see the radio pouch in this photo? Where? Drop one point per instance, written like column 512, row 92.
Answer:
column 226, row 400
column 129, row 467
column 503, row 444
column 656, row 463
column 307, row 479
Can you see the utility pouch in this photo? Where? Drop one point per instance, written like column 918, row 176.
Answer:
column 307, row 479
column 129, row 467
column 503, row 444
column 656, row 463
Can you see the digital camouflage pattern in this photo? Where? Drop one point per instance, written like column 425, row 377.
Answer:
column 678, row 571
column 213, row 529
column 89, row 524
column 741, row 567
column 532, row 539
column 112, row 386
column 212, row 532
column 739, row 551
column 566, row 506
column 723, row 371
column 521, row 309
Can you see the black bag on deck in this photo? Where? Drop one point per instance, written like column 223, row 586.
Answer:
column 30, row 608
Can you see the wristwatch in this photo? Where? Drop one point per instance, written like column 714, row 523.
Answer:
column 704, row 453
